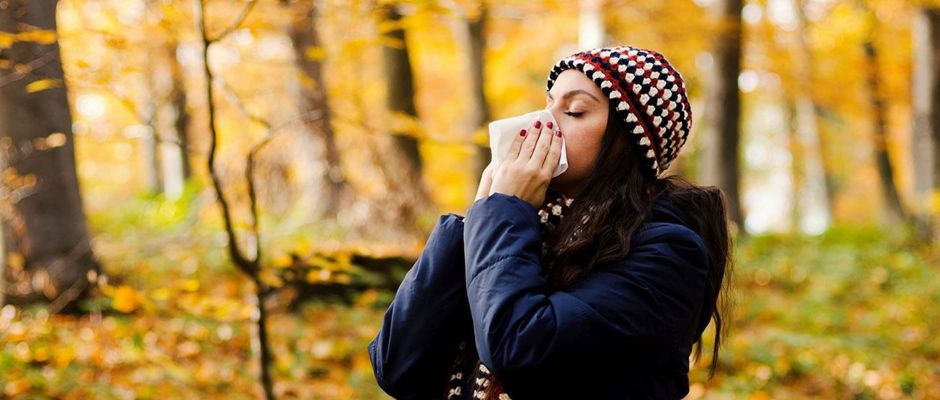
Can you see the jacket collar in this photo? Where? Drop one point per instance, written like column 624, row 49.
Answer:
column 665, row 210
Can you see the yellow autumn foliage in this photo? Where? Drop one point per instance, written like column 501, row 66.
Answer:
column 125, row 299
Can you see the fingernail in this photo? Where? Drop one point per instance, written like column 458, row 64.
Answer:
column 558, row 133
column 522, row 132
column 549, row 125
column 538, row 124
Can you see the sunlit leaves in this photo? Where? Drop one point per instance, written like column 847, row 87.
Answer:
column 16, row 387
column 819, row 324
column 174, row 323
column 821, row 311
column 270, row 278
column 935, row 203
column 315, row 53
column 14, row 181
column 15, row 261
column 125, row 299
column 315, row 268
column 57, row 139
column 42, row 84
column 160, row 354
column 40, row 36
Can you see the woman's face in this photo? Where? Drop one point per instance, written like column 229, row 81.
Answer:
column 581, row 109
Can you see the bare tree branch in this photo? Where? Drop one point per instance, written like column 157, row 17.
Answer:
column 270, row 132
column 249, row 267
column 238, row 21
column 27, row 68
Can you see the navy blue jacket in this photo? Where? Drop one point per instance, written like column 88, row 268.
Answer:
column 624, row 331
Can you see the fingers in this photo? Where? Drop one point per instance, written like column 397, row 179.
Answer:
column 516, row 145
column 531, row 139
column 554, row 153
column 545, row 139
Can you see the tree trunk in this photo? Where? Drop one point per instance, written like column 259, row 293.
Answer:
column 148, row 113
column 926, row 126
column 894, row 210
column 723, row 110
column 400, row 96
column 796, row 162
column 150, row 148
column 476, row 28
column 400, row 84
column 591, row 30
column 815, row 199
column 814, row 195
column 181, row 116
column 165, row 147
column 313, row 101
column 47, row 250
column 176, row 149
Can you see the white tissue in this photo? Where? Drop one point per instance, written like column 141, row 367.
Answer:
column 504, row 131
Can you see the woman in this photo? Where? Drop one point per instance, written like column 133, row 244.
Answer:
column 594, row 284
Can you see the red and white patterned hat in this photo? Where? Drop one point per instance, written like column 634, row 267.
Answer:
column 648, row 94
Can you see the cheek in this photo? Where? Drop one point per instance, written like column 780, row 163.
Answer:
column 581, row 155
column 582, row 146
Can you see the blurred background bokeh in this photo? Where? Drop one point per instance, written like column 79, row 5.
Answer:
column 192, row 189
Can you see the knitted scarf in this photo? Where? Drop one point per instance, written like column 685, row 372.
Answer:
column 466, row 365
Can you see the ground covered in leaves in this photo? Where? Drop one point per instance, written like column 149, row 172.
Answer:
column 842, row 315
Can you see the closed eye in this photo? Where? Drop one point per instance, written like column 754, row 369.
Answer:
column 574, row 114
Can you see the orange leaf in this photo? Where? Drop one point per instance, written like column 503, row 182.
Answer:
column 126, row 299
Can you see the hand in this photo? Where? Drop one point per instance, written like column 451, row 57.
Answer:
column 528, row 167
column 486, row 180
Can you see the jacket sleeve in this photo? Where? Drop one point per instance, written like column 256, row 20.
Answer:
column 522, row 330
column 421, row 327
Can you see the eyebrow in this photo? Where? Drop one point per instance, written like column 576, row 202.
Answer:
column 572, row 93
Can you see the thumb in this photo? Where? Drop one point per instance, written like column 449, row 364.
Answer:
column 486, row 180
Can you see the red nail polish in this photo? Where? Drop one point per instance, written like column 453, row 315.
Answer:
column 538, row 124
column 558, row 133
column 549, row 125
column 522, row 132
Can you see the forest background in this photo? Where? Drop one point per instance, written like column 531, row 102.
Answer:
column 217, row 199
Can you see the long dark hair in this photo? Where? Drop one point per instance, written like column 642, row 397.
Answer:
column 619, row 196
column 616, row 199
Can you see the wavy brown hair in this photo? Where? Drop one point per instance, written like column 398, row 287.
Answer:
column 619, row 195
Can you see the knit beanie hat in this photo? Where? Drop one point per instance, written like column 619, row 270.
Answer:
column 647, row 93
